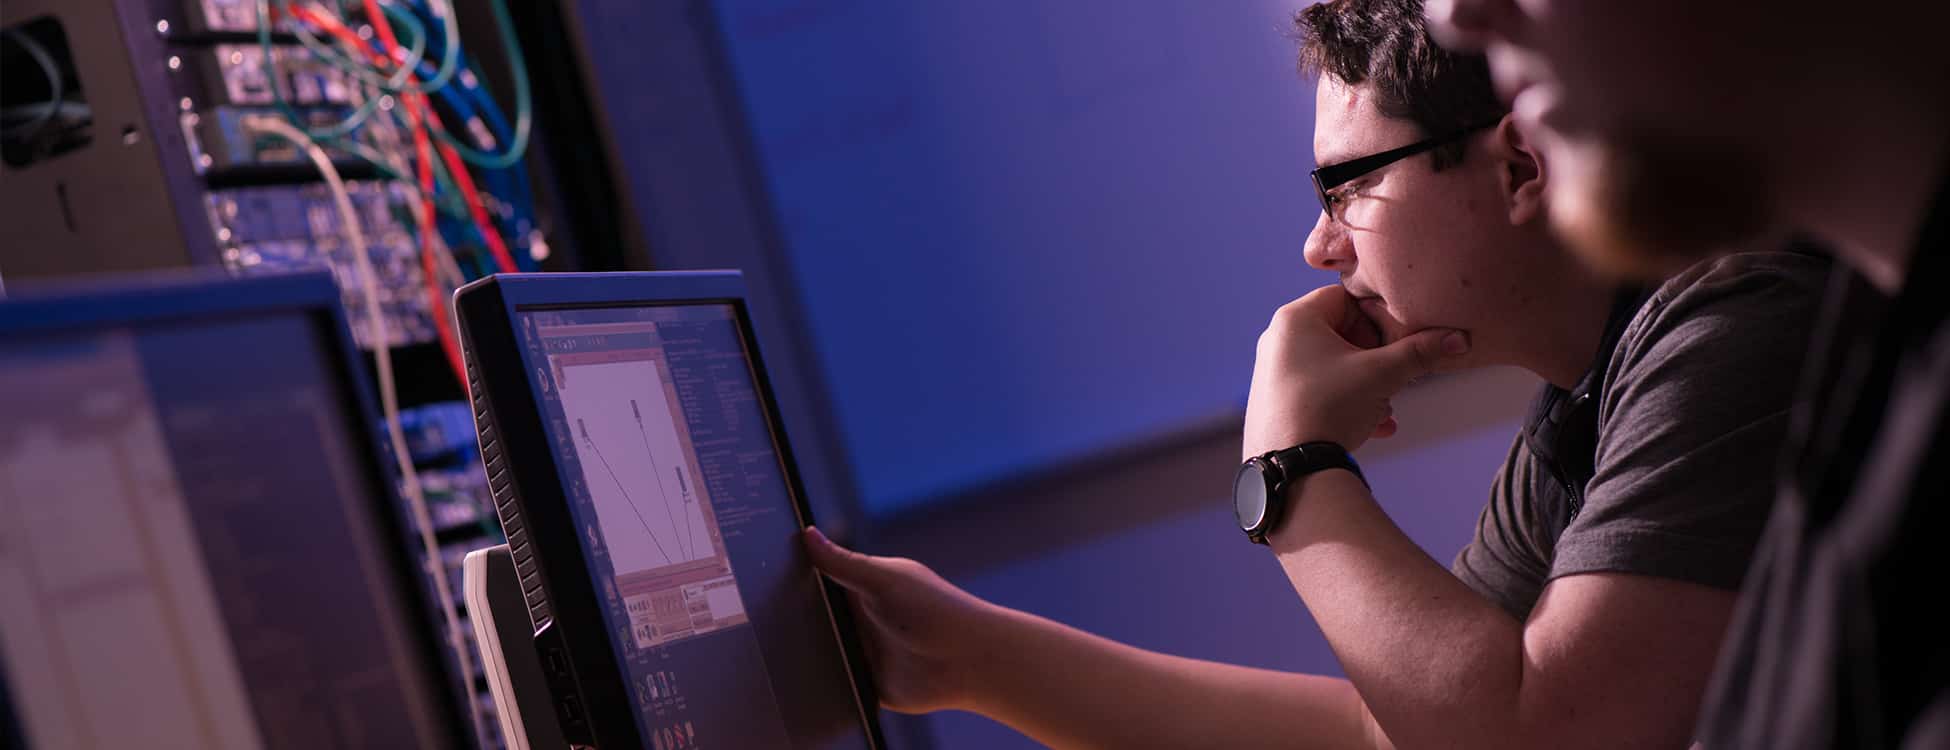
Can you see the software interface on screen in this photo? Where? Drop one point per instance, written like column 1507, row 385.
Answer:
column 189, row 556
column 685, row 516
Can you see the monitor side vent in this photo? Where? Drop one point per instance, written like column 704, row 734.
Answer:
column 502, row 487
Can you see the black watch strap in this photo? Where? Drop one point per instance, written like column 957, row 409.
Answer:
column 1259, row 489
column 1307, row 458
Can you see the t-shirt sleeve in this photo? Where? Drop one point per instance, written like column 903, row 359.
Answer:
column 1693, row 420
column 1503, row 562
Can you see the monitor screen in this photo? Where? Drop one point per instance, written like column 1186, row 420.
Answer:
column 194, row 554
column 686, row 518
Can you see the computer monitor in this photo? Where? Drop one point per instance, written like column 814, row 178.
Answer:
column 653, row 510
column 200, row 545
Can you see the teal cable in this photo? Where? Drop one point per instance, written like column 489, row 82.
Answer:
column 54, row 84
column 446, row 194
column 336, row 130
column 367, row 153
column 401, row 79
column 358, row 68
column 449, row 55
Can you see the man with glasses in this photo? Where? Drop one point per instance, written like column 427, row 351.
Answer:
column 1588, row 609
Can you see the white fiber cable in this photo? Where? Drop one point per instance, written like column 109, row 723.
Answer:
column 389, row 401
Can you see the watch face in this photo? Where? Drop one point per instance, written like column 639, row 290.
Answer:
column 1249, row 496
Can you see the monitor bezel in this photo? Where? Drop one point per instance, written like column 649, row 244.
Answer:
column 107, row 302
column 488, row 310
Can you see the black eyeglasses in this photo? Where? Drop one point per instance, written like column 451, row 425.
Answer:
column 1335, row 175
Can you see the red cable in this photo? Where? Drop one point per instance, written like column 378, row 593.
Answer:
column 444, row 323
column 334, row 27
column 415, row 106
column 385, row 29
column 475, row 208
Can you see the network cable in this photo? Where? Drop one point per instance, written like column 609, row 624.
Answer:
column 419, row 43
column 524, row 104
column 388, row 396
column 517, row 222
column 270, row 65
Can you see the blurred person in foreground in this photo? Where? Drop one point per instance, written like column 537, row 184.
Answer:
column 1679, row 128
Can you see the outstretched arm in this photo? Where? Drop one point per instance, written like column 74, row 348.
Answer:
column 935, row 647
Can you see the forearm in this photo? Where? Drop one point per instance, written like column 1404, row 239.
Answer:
column 1071, row 689
column 1436, row 663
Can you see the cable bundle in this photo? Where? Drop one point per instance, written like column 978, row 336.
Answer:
column 408, row 77
column 407, row 54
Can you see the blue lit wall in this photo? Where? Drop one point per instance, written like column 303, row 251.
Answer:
column 1190, row 586
column 1027, row 231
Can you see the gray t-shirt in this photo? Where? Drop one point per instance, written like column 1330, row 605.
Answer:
column 1691, row 410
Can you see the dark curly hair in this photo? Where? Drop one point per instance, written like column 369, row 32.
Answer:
column 1386, row 45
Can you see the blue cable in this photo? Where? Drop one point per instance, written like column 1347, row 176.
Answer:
column 471, row 103
column 509, row 184
column 520, row 194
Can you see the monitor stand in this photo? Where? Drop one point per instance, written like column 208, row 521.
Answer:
column 513, row 668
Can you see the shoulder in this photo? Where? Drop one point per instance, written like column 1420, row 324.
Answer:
column 1692, row 420
column 1743, row 308
column 1753, row 285
column 1722, row 343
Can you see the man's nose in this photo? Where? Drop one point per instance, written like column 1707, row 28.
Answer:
column 1328, row 246
column 1467, row 25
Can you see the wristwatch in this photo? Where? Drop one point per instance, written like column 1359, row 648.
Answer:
column 1259, row 489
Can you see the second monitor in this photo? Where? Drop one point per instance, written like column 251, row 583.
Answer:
column 200, row 545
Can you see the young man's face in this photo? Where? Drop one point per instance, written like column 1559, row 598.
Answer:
column 1647, row 110
column 1420, row 248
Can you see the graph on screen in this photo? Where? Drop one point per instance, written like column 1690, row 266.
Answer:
column 626, row 439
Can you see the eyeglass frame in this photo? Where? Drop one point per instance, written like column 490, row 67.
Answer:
column 1354, row 169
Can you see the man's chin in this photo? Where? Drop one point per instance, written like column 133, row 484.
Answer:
column 1650, row 208
column 1618, row 247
